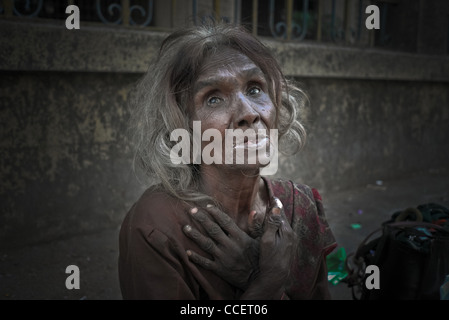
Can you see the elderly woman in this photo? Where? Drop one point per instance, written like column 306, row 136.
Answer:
column 219, row 229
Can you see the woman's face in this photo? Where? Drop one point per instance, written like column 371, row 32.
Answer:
column 231, row 93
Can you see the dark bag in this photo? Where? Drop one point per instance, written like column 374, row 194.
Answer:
column 412, row 255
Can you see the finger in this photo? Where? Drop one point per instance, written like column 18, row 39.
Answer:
column 278, row 207
column 201, row 261
column 205, row 243
column 255, row 224
column 276, row 214
column 275, row 218
column 278, row 211
column 223, row 219
column 214, row 230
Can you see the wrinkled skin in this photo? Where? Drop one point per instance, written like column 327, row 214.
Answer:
column 251, row 243
column 247, row 263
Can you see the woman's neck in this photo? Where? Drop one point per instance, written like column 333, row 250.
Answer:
column 238, row 192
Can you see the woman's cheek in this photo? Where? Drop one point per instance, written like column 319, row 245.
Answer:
column 268, row 112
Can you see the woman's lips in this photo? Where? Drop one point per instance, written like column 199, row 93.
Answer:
column 258, row 143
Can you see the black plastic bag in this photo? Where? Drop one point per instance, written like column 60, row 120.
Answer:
column 412, row 256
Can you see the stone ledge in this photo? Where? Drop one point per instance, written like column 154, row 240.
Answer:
column 51, row 47
column 327, row 61
column 33, row 46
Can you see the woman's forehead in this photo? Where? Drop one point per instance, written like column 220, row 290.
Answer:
column 228, row 62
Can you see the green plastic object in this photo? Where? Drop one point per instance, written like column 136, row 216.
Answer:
column 336, row 270
column 356, row 226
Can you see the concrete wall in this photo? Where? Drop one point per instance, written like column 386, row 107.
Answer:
column 361, row 131
column 65, row 165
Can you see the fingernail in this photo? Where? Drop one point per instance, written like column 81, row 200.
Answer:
column 209, row 205
column 278, row 203
column 189, row 253
column 193, row 210
column 276, row 210
column 187, row 228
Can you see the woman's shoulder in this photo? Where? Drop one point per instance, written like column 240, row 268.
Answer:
column 155, row 209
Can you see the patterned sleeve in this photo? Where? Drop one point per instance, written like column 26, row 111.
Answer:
column 315, row 242
column 329, row 243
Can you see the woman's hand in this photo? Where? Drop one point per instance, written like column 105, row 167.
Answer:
column 259, row 266
column 277, row 249
column 235, row 253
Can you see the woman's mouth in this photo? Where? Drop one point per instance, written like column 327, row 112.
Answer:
column 259, row 142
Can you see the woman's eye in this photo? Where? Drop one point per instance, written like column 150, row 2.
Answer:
column 254, row 90
column 212, row 101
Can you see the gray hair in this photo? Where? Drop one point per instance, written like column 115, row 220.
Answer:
column 161, row 102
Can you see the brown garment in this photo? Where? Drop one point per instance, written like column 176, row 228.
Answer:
column 153, row 263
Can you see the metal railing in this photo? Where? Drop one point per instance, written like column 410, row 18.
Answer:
column 120, row 12
column 317, row 20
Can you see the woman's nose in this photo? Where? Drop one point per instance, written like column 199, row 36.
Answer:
column 245, row 116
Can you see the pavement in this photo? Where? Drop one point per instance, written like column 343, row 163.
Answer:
column 38, row 272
